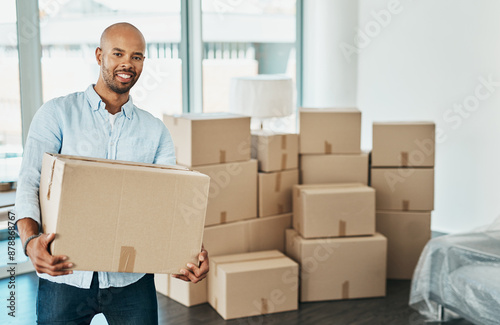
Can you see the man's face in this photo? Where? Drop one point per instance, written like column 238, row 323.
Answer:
column 121, row 59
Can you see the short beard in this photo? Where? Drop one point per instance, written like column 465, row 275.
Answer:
column 119, row 90
column 112, row 84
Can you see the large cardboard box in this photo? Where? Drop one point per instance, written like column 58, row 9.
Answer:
column 275, row 151
column 339, row 268
column 231, row 238
column 275, row 192
column 253, row 284
column 119, row 216
column 324, row 169
column 408, row 144
column 336, row 210
column 404, row 189
column 330, row 130
column 407, row 234
column 233, row 191
column 213, row 138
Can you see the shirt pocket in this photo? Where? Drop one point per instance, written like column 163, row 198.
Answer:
column 136, row 149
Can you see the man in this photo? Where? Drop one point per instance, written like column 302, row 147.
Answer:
column 101, row 122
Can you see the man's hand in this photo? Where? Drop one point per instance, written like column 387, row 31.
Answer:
column 38, row 251
column 194, row 273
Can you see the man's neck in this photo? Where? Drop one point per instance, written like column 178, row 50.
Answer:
column 113, row 100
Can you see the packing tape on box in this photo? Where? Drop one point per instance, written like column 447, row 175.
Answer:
column 223, row 217
column 51, row 178
column 127, row 259
column 342, row 228
column 345, row 290
column 406, row 205
column 283, row 142
column 280, row 209
column 222, row 156
column 404, row 159
column 277, row 182
column 328, row 147
column 263, row 306
column 283, row 161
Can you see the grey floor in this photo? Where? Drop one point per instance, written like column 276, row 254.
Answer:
column 392, row 309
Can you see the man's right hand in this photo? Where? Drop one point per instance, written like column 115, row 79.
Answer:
column 38, row 251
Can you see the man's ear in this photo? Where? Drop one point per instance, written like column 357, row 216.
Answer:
column 98, row 55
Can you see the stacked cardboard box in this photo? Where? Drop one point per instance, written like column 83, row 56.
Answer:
column 335, row 243
column 334, row 237
column 277, row 155
column 330, row 142
column 231, row 238
column 402, row 172
column 339, row 268
column 218, row 145
column 334, row 210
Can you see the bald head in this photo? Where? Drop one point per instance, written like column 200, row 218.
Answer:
column 121, row 57
column 117, row 30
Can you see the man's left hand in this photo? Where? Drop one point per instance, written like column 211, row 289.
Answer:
column 194, row 273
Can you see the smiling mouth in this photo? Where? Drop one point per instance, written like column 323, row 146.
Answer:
column 124, row 77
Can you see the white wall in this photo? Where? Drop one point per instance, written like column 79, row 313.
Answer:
column 430, row 58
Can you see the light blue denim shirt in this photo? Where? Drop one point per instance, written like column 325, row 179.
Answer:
column 78, row 124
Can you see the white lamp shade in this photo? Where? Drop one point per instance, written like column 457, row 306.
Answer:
column 262, row 96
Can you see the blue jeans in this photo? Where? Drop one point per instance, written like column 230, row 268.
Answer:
column 130, row 305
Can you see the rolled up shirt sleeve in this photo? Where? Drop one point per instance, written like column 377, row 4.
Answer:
column 44, row 135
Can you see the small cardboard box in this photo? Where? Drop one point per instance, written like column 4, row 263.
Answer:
column 339, row 268
column 253, row 284
column 404, row 189
column 233, row 191
column 275, row 151
column 408, row 144
column 335, row 210
column 244, row 236
column 327, row 169
column 407, row 234
column 330, row 130
column 209, row 138
column 275, row 192
column 117, row 216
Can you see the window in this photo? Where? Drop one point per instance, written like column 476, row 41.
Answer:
column 69, row 57
column 244, row 38
column 10, row 102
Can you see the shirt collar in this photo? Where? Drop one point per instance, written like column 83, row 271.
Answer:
column 96, row 102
